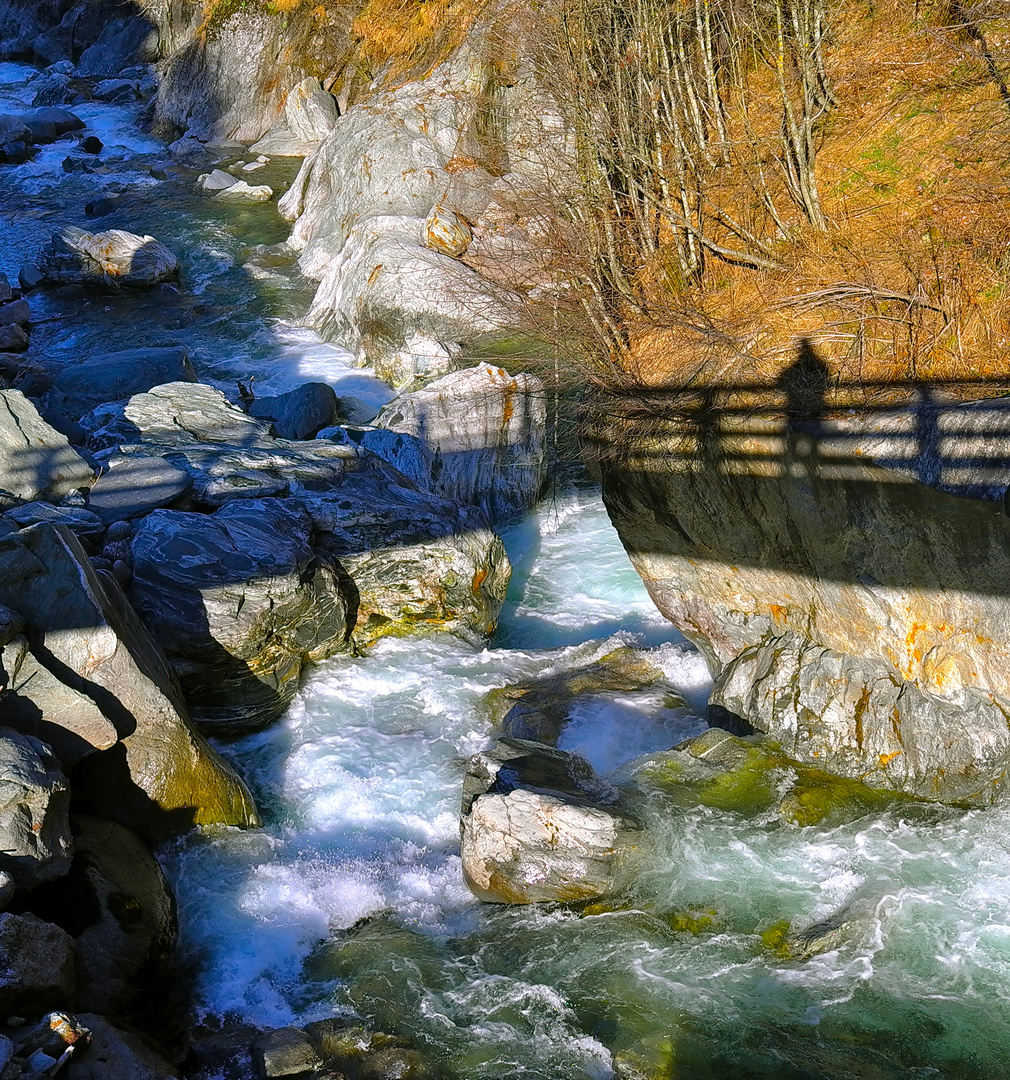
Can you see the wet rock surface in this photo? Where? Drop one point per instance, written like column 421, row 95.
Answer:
column 538, row 825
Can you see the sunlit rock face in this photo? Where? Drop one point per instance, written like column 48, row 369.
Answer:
column 856, row 614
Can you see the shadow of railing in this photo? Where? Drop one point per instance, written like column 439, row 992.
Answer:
column 892, row 482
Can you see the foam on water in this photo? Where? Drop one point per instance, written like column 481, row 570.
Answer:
column 362, row 781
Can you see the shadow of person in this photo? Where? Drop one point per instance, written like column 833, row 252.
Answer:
column 805, row 384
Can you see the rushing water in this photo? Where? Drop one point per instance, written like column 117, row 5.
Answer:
column 350, row 900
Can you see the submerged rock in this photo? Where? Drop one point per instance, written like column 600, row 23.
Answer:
column 284, row 1052
column 113, row 258
column 239, row 601
column 752, row 775
column 476, row 436
column 539, row 708
column 538, row 825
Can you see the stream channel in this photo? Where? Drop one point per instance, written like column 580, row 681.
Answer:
column 350, row 900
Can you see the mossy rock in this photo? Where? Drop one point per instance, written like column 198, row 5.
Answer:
column 752, row 776
column 651, row 1058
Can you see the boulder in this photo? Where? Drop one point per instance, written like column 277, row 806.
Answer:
column 49, row 123
column 476, row 436
column 538, row 825
column 117, row 91
column 15, row 313
column 798, row 562
column 385, row 285
column 131, row 486
column 216, row 180
column 117, row 1053
column 240, row 191
column 300, row 413
column 240, row 601
column 121, row 914
column 30, row 276
column 86, row 526
column 447, row 231
column 88, row 677
column 6, row 292
column 111, row 377
column 35, row 841
column 310, row 111
column 36, row 966
column 131, row 38
column 113, row 258
column 13, row 129
column 8, row 886
column 36, row 461
column 418, row 561
column 13, row 338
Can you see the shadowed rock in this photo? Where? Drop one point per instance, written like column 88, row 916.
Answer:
column 88, row 677
column 36, row 461
column 80, row 387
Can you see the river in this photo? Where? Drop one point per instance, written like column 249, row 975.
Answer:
column 350, row 900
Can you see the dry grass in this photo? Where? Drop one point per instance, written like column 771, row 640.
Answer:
column 407, row 39
column 910, row 278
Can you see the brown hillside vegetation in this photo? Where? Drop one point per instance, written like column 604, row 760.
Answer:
column 892, row 264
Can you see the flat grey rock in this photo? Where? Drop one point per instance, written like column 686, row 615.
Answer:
column 176, row 414
column 132, row 486
column 85, row 525
column 35, row 459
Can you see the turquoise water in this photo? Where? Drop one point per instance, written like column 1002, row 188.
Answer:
column 350, row 900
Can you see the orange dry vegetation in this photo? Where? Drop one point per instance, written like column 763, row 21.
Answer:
column 910, row 279
column 409, row 38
